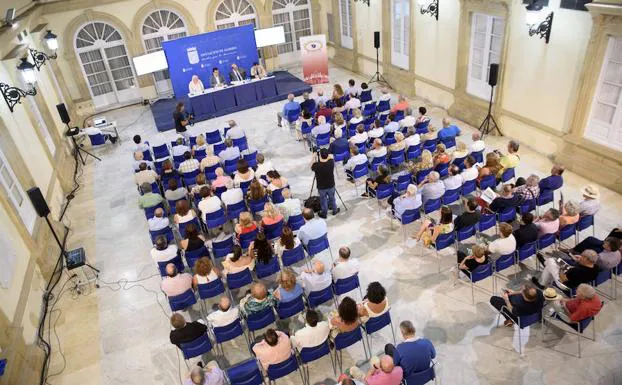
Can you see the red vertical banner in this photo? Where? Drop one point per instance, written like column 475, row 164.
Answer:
column 314, row 59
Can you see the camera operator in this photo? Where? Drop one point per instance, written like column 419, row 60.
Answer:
column 182, row 119
column 324, row 169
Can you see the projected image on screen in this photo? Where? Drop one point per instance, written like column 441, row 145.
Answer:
column 199, row 54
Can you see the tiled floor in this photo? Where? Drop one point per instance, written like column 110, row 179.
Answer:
column 118, row 334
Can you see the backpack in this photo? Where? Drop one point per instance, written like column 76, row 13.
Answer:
column 313, row 203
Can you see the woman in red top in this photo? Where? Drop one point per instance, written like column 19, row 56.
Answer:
column 440, row 156
column 246, row 224
column 270, row 215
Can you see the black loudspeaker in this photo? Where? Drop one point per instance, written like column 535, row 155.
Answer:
column 377, row 39
column 62, row 112
column 493, row 74
column 38, row 201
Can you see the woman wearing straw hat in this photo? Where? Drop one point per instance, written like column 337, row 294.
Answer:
column 591, row 200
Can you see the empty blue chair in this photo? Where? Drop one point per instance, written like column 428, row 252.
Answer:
column 319, row 297
column 97, row 139
column 211, row 289
column 147, row 155
column 246, row 373
column 177, row 159
column 344, row 340
column 210, row 171
column 346, row 285
column 546, row 197
column 465, row 233
column 399, row 115
column 282, row 369
column 322, row 139
column 293, row 256
column 421, row 378
column 277, row 196
column 508, row 175
column 200, row 154
column 241, row 143
column 366, row 97
column 182, row 301
column 215, row 219
column 251, row 158
column 413, row 152
column 308, row 355
column 545, row 241
column 260, row 320
column 256, row 206
column 318, row 245
column 227, row 333
column 468, row 187
column 247, row 238
column 263, row 270
column 213, row 137
column 451, row 196
column 221, row 248
column 234, row 210
column 196, row 347
column 295, row 222
column 486, row 221
column 604, row 276
column 480, row 273
column 585, row 221
column 289, row 309
column 161, row 151
column 176, row 260
column 430, row 145
column 402, row 182
column 502, row 263
column 566, row 232
column 578, row 329
column 449, row 142
column 231, row 166
column 527, row 206
column 488, row 181
column 396, row 158
column 478, row 156
column 273, row 231
column 167, row 231
column 190, row 178
column 219, row 147
column 408, row 217
column 508, row 214
column 239, row 279
column 422, row 174
column 182, row 226
column 383, row 106
column 523, row 322
column 444, row 241
column 244, row 185
column 431, row 205
column 192, row 256
column 526, row 251
column 375, row 324
column 374, row 163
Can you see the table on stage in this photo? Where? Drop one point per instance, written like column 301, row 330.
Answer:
column 236, row 95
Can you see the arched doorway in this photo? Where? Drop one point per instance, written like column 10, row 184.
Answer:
column 233, row 13
column 295, row 17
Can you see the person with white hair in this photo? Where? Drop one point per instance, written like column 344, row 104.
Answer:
column 210, row 375
column 315, row 279
column 230, row 152
column 529, row 188
column 360, row 136
column 409, row 201
column 320, row 98
column 225, row 314
column 356, row 159
column 233, row 195
column 384, row 94
column 432, row 187
column 235, row 131
column 376, row 130
column 478, row 144
column 290, row 106
column 210, row 159
column 399, row 144
column 412, row 138
column 584, row 305
column 378, row 150
column 338, row 143
column 321, row 128
column 585, row 270
column 195, row 87
column 569, row 214
column 179, row 148
column 290, row 206
column 159, row 220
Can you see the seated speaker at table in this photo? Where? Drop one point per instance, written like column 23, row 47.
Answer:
column 237, row 74
column 257, row 71
column 217, row 80
column 195, row 86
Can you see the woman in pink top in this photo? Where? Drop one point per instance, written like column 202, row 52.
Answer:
column 275, row 348
column 270, row 215
column 548, row 223
column 221, row 179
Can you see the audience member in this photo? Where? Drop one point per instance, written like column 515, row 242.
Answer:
column 323, row 112
column 233, row 195
column 270, row 215
column 337, row 92
column 194, row 240
column 345, row 267
column 440, row 156
column 467, row 264
column 454, row 179
column 288, row 289
column 347, row 318
column 263, row 166
column 422, row 118
column 307, row 104
column 353, row 103
column 491, row 166
column 238, row 261
column 432, row 187
column 315, row 279
column 386, row 373
column 378, row 150
column 175, row 283
column 425, row 162
column 414, row 355
column 210, row 375
column 555, row 180
column 504, row 245
column 383, row 177
column 148, row 199
column 140, row 158
column 511, row 159
column 224, row 315
column 470, row 171
column 569, row 214
column 506, row 199
column 384, row 95
column 448, row 131
column 321, row 98
column 257, row 300
column 313, row 227
column 399, row 144
column 290, row 206
column 276, row 181
column 179, row 148
column 376, row 131
column 408, row 121
column 256, row 192
column 360, row 136
column 204, row 272
column 429, row 230
column 401, row 105
column 409, row 201
column 356, row 159
column 201, row 182
column 189, row 164
column 245, row 173
column 175, row 192
column 609, row 250
column 584, row 271
column 357, row 117
column 162, row 251
column 261, row 250
column 287, row 241
column 586, row 304
column 145, row 175
column 529, row 190
column 591, row 200
column 230, row 152
column 290, row 107
column 139, row 145
column 527, row 232
column 185, row 332
column 469, row 217
column 478, row 144
column 339, row 122
column 352, row 89
column 314, row 333
column 517, row 304
column 159, row 221
column 245, row 224
column 375, row 302
column 183, row 212
column 548, row 223
column 210, row 159
column 391, row 125
column 273, row 349
column 412, row 138
column 461, row 151
column 338, row 144
column 209, row 203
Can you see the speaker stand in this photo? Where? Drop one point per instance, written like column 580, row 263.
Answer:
column 489, row 124
column 377, row 77
column 78, row 151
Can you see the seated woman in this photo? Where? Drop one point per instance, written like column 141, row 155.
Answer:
column 339, row 108
column 529, row 188
column 201, row 144
column 183, row 212
column 305, row 117
column 256, row 191
column 440, row 156
column 346, row 319
column 470, row 171
column 194, row 240
column 210, row 159
column 168, row 171
column 432, row 134
column 338, row 122
column 204, row 272
column 375, row 302
column 221, row 179
column 491, row 166
column 467, row 264
column 400, row 144
column 288, row 288
column 237, row 261
column 430, row 230
column 270, row 215
column 287, row 241
column 276, row 181
column 569, row 214
column 261, row 249
column 175, row 192
column 376, row 130
column 461, row 151
column 337, row 92
column 357, row 117
column 201, row 181
column 244, row 174
column 422, row 118
column 371, row 185
column 425, row 162
column 246, row 224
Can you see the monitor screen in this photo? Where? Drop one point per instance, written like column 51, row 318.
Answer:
column 150, row 62
column 269, row 36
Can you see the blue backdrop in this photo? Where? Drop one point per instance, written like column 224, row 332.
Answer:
column 199, row 54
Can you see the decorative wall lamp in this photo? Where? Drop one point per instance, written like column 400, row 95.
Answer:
column 431, row 8
column 52, row 42
column 12, row 95
column 39, row 58
column 537, row 25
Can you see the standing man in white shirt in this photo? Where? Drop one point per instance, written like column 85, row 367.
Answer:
column 345, row 266
column 315, row 279
column 225, row 314
column 313, row 334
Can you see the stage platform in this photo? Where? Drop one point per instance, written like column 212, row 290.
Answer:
column 286, row 83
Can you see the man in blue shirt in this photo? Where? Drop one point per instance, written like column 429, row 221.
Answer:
column 290, row 106
column 313, row 227
column 413, row 355
column 554, row 181
column 390, row 125
column 448, row 131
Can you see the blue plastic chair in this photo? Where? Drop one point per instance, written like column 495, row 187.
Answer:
column 177, row 159
column 413, row 152
column 585, row 221
column 227, row 333
column 374, row 163
column 375, row 324
column 196, row 347
column 260, row 320
column 459, row 162
column 366, row 97
column 282, row 369
column 578, row 329
column 430, row 145
column 215, row 219
column 256, row 206
column 239, row 279
column 241, row 143
column 176, row 260
column 478, row 156
column 277, row 196
column 479, row 274
column 190, row 178
column 402, row 182
column 443, row 241
column 147, row 155
column 221, row 248
column 273, row 231
column 422, row 128
column 295, row 222
column 289, row 309
column 546, row 197
column 344, row 340
column 318, row 245
column 396, row 158
column 193, row 256
column 422, row 377
column 210, row 172
column 383, row 106
column 182, row 226
column 200, row 154
column 508, row 175
column 97, row 139
column 502, row 263
column 408, row 217
column 213, row 137
column 346, row 285
column 468, row 187
column 604, row 276
column 167, row 231
column 322, row 139
column 527, row 206
column 211, row 289
column 389, row 138
column 293, row 256
column 442, row 169
column 488, row 181
column 247, row 238
column 251, row 158
column 245, row 373
column 234, row 210
column 465, row 233
column 451, row 196
column 263, row 270
column 508, row 214
column 486, row 221
column 161, row 151
column 308, row 355
column 219, row 147
column 526, row 251
column 567, row 232
column 230, row 166
column 545, row 241
column 449, row 142
column 422, row 174
column 182, row 301
column 431, row 205
column 319, row 297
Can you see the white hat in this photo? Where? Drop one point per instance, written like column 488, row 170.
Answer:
column 590, row 191
column 551, row 294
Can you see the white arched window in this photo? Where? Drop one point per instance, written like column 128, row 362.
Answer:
column 233, row 13
column 295, row 17
column 159, row 26
column 105, row 64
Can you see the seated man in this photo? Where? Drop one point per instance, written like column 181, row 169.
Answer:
column 511, row 159
column 352, row 89
column 233, row 195
column 345, row 267
column 109, row 134
column 179, row 148
column 432, row 187
column 210, row 375
column 355, row 160
column 548, row 223
column 590, row 203
column 288, row 108
column 554, row 181
column 586, row 304
column 585, row 271
column 527, row 231
column 148, row 199
column 175, row 283
column 360, row 136
column 391, row 125
column 409, row 201
column 185, row 332
column 290, row 206
column 470, row 171
column 162, row 251
column 209, row 203
column 412, row 138
column 321, row 128
column 235, row 131
column 506, row 199
column 422, row 118
column 159, row 221
column 263, row 166
column 174, row 192
column 139, row 158
column 257, row 300
column 144, row 175
column 376, row 131
column 313, row 227
column 323, row 111
column 313, row 333
column 353, row 103
column 518, row 303
column 504, row 245
column 225, row 315
column 454, row 179
column 139, row 145
column 217, row 80
column 307, row 104
column 478, row 144
column 237, row 74
column 315, row 279
column 230, row 152
column 339, row 144
column 469, row 217
column 378, row 150
column 448, row 131
column 413, row 355
column 385, row 373
column 608, row 250
column 273, row 349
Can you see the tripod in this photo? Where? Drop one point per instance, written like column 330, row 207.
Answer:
column 377, row 77
column 489, row 124
column 77, row 150
column 336, row 192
